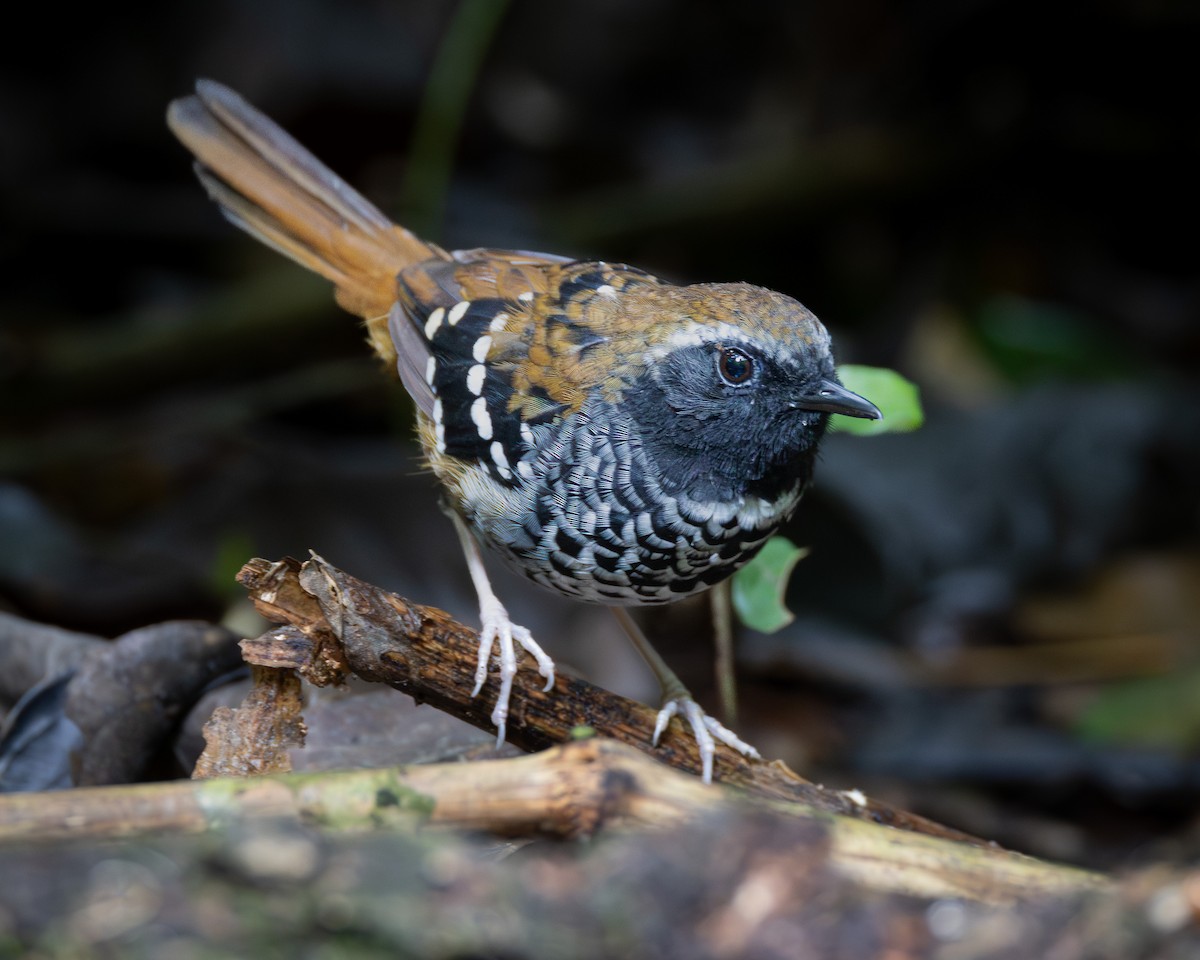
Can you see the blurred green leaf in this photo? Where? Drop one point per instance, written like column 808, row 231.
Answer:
column 1155, row 711
column 759, row 587
column 451, row 82
column 897, row 397
column 234, row 549
column 1035, row 340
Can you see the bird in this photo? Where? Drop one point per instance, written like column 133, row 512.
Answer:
column 616, row 438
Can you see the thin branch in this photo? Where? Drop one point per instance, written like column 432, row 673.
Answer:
column 570, row 791
column 336, row 624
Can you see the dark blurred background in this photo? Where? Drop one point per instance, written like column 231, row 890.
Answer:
column 998, row 621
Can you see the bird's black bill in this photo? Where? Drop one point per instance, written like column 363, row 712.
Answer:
column 832, row 397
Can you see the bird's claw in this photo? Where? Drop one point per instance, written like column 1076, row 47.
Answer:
column 497, row 628
column 705, row 729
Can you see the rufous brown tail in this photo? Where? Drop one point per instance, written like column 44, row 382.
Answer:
column 270, row 186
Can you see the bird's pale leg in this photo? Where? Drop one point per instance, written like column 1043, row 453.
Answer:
column 677, row 699
column 496, row 627
column 721, row 605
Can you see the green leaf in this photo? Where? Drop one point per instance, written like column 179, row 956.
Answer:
column 453, row 77
column 1032, row 340
column 897, row 397
column 759, row 587
column 234, row 548
column 1151, row 711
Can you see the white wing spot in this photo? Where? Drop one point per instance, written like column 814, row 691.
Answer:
column 457, row 311
column 482, row 419
column 434, row 321
column 526, row 296
column 527, row 434
column 500, row 459
column 606, row 290
column 524, row 469
column 482, row 346
column 499, row 321
column 475, row 378
column 430, row 370
column 439, row 428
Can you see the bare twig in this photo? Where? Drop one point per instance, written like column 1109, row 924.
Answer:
column 336, row 623
column 570, row 791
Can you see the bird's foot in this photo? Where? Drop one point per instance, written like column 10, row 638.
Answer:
column 497, row 628
column 705, row 729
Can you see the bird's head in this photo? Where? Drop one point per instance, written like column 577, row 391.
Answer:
column 734, row 391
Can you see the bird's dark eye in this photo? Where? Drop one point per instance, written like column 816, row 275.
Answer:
column 735, row 366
